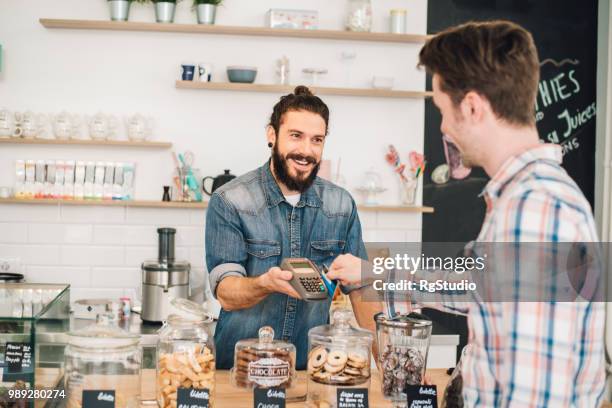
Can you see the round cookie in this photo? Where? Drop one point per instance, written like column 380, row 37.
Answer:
column 332, row 368
column 317, row 358
column 337, row 358
column 356, row 360
column 355, row 372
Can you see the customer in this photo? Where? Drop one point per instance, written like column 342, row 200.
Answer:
column 279, row 210
column 520, row 354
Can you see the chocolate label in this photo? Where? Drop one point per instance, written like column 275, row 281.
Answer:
column 268, row 372
column 269, row 397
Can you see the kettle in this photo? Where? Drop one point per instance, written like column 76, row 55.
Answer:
column 217, row 181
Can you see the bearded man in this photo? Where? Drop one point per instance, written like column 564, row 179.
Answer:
column 280, row 210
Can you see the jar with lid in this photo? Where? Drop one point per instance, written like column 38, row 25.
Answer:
column 359, row 17
column 339, row 356
column 263, row 362
column 403, row 343
column 102, row 358
column 185, row 353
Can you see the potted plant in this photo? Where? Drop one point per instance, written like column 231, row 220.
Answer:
column 120, row 9
column 207, row 10
column 164, row 10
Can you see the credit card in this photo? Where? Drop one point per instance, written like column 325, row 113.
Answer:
column 329, row 284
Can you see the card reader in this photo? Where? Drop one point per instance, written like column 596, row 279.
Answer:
column 306, row 278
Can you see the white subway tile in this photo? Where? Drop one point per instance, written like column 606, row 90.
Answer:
column 190, row 236
column 77, row 234
column 109, row 234
column 139, row 235
column 45, row 233
column 32, row 254
column 13, row 233
column 92, row 255
column 413, row 235
column 134, row 256
column 368, row 219
column 171, row 217
column 399, row 220
column 29, row 212
column 75, row 276
column 196, row 257
column 116, row 277
column 181, row 254
column 388, row 235
column 197, row 217
column 92, row 214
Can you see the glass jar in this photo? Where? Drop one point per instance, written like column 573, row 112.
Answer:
column 403, row 343
column 359, row 17
column 339, row 356
column 185, row 353
column 103, row 357
column 263, row 362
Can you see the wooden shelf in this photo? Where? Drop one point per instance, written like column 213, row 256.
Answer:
column 125, row 143
column 229, row 86
column 177, row 204
column 106, row 203
column 231, row 30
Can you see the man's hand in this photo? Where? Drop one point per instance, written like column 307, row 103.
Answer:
column 277, row 281
column 346, row 269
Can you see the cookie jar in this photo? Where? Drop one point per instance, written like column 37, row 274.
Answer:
column 185, row 353
column 339, row 356
column 403, row 343
column 263, row 362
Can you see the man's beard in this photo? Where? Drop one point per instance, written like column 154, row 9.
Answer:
column 281, row 170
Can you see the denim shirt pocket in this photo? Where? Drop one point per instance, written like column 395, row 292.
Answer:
column 324, row 252
column 263, row 254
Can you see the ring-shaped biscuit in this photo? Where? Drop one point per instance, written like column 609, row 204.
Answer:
column 337, row 358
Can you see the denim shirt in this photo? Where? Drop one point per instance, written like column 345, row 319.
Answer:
column 250, row 227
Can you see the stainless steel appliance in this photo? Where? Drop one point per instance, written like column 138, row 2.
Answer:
column 163, row 279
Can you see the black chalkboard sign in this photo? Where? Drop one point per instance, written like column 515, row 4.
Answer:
column 269, row 397
column 352, row 397
column 421, row 396
column 193, row 398
column 17, row 362
column 99, row 399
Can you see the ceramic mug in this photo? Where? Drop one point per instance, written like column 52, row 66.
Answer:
column 204, row 72
column 188, row 72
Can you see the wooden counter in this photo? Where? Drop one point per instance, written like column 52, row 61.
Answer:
column 229, row 397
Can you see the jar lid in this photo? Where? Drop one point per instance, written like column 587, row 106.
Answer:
column 413, row 320
column 102, row 335
column 185, row 310
column 341, row 330
column 265, row 342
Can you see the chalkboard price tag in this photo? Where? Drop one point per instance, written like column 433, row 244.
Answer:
column 422, row 396
column 193, row 398
column 18, row 362
column 269, row 397
column 99, row 399
column 352, row 398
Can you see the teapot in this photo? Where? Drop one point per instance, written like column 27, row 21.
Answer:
column 7, row 123
column 65, row 125
column 217, row 181
column 138, row 127
column 101, row 126
column 33, row 124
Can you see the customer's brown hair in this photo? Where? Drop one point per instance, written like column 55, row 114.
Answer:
column 496, row 59
column 301, row 99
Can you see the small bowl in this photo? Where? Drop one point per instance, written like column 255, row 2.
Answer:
column 382, row 82
column 245, row 75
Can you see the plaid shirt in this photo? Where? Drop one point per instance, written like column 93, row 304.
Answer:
column 532, row 354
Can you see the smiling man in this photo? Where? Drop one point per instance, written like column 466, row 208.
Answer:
column 280, row 210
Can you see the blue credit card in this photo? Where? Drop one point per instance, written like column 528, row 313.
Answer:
column 329, row 284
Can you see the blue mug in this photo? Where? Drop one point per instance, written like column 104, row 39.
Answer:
column 188, row 72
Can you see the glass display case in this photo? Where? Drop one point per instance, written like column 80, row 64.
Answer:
column 32, row 319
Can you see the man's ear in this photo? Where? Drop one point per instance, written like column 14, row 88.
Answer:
column 474, row 107
column 271, row 135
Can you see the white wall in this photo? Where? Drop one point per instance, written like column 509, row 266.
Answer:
column 127, row 72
